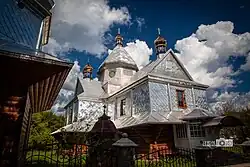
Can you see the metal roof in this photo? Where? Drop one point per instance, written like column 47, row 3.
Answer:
column 92, row 89
column 227, row 121
column 119, row 55
column 197, row 113
column 148, row 118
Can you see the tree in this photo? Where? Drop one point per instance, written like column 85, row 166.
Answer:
column 42, row 125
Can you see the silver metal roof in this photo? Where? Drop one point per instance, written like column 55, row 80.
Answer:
column 119, row 55
column 92, row 89
column 147, row 117
column 198, row 113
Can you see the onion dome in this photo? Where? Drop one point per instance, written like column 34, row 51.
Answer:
column 118, row 38
column 87, row 71
column 104, row 125
column 160, row 44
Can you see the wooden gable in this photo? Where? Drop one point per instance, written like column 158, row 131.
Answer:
column 170, row 66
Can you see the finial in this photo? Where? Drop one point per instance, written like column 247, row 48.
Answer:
column 104, row 109
column 118, row 38
column 88, row 59
column 159, row 31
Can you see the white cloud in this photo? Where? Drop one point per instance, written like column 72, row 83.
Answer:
column 82, row 24
column 70, row 81
column 140, row 52
column 67, row 91
column 205, row 53
column 246, row 66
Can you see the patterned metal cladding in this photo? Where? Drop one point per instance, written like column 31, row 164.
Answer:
column 90, row 111
column 111, row 110
column 188, row 97
column 159, row 100
column 18, row 25
column 141, row 99
column 200, row 98
column 169, row 67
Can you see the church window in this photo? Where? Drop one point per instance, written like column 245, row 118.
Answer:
column 196, row 129
column 181, row 99
column 181, row 131
column 122, row 108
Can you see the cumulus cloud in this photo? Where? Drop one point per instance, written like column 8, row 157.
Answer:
column 82, row 24
column 140, row 52
column 206, row 53
column 67, row 91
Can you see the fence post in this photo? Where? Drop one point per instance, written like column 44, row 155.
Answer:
column 202, row 155
column 125, row 151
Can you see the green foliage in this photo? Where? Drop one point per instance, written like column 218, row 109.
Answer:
column 42, row 125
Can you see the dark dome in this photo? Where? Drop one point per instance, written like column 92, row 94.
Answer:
column 104, row 125
column 159, row 40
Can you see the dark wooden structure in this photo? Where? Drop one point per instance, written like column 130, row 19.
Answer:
column 28, row 84
column 151, row 136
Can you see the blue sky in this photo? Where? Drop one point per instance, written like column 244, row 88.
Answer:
column 178, row 20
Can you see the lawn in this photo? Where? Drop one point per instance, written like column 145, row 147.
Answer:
column 50, row 159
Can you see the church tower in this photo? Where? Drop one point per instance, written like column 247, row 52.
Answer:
column 87, row 71
column 118, row 68
column 160, row 45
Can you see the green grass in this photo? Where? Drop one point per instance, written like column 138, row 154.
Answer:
column 234, row 149
column 177, row 162
column 50, row 159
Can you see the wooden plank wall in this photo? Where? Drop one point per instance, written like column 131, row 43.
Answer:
column 24, row 135
column 150, row 134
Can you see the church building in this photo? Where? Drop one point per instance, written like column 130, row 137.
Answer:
column 158, row 104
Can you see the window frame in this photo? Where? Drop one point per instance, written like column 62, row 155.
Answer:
column 183, row 98
column 122, row 107
column 181, row 131
column 196, row 130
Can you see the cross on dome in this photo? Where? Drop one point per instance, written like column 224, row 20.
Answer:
column 159, row 31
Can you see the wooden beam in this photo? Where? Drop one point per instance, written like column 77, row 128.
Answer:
column 40, row 94
column 63, row 78
column 45, row 92
column 54, row 86
column 51, row 80
column 36, row 96
column 31, row 94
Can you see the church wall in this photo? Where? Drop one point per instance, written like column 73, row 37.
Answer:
column 200, row 98
column 141, row 99
column 170, row 67
column 188, row 97
column 89, row 110
column 126, row 75
column 75, row 110
column 159, row 98
column 127, row 106
column 111, row 110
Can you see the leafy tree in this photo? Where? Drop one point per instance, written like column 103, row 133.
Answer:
column 42, row 125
